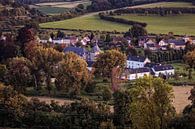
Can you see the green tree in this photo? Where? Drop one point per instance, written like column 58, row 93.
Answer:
column 72, row 74
column 122, row 110
column 136, row 31
column 19, row 73
column 151, row 107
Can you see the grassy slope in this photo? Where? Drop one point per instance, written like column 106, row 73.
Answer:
column 180, row 24
column 87, row 23
column 167, row 4
column 183, row 24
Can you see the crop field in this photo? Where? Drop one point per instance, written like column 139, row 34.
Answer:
column 53, row 8
column 65, row 4
column 179, row 24
column 90, row 22
column 166, row 4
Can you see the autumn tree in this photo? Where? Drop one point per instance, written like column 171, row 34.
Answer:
column 151, row 107
column 107, row 61
column 190, row 61
column 72, row 74
column 19, row 73
column 44, row 59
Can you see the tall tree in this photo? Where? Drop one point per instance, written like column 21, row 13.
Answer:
column 19, row 73
column 72, row 74
column 45, row 59
column 152, row 103
column 107, row 61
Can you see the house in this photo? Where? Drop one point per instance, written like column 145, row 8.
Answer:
column 82, row 52
column 85, row 40
column 136, row 62
column 177, row 44
column 166, row 70
column 151, row 46
column 132, row 74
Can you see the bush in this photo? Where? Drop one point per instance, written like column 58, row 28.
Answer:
column 107, row 94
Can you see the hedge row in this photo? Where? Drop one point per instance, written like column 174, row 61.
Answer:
column 158, row 10
column 120, row 20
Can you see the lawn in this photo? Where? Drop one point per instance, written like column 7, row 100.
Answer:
column 52, row 10
column 179, row 24
column 88, row 22
column 166, row 4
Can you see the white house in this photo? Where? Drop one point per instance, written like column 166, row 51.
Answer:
column 136, row 62
column 132, row 74
column 166, row 70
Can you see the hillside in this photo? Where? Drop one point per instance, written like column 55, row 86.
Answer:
column 15, row 14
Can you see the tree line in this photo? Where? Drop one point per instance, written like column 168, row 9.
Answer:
column 120, row 20
column 158, row 11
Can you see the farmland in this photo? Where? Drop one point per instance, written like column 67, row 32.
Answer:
column 52, row 8
column 166, row 4
column 182, row 24
column 179, row 24
column 90, row 22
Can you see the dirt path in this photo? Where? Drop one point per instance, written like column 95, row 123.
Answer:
column 181, row 97
column 48, row 100
column 180, row 101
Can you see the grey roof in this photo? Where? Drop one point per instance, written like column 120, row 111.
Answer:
column 79, row 51
column 163, row 67
column 180, row 42
column 136, row 58
column 96, row 48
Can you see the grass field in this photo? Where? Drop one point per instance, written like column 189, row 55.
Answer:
column 90, row 22
column 53, row 8
column 179, row 24
column 166, row 4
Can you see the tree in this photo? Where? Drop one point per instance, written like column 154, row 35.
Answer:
column 190, row 61
column 122, row 102
column 45, row 59
column 151, row 107
column 136, row 31
column 72, row 74
column 107, row 61
column 19, row 73
column 8, row 49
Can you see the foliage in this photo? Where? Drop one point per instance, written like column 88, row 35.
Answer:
column 190, row 60
column 109, row 59
column 72, row 74
column 44, row 59
column 122, row 102
column 151, row 106
column 19, row 73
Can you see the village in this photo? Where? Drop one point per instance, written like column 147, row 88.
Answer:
column 136, row 66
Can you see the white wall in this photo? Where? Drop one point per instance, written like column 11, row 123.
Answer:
column 137, row 75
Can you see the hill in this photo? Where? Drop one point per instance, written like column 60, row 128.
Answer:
column 16, row 14
column 182, row 24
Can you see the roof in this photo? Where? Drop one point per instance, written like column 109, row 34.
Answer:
column 150, row 65
column 96, row 48
column 136, row 58
column 138, row 70
column 79, row 51
column 180, row 42
column 162, row 67
column 90, row 63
